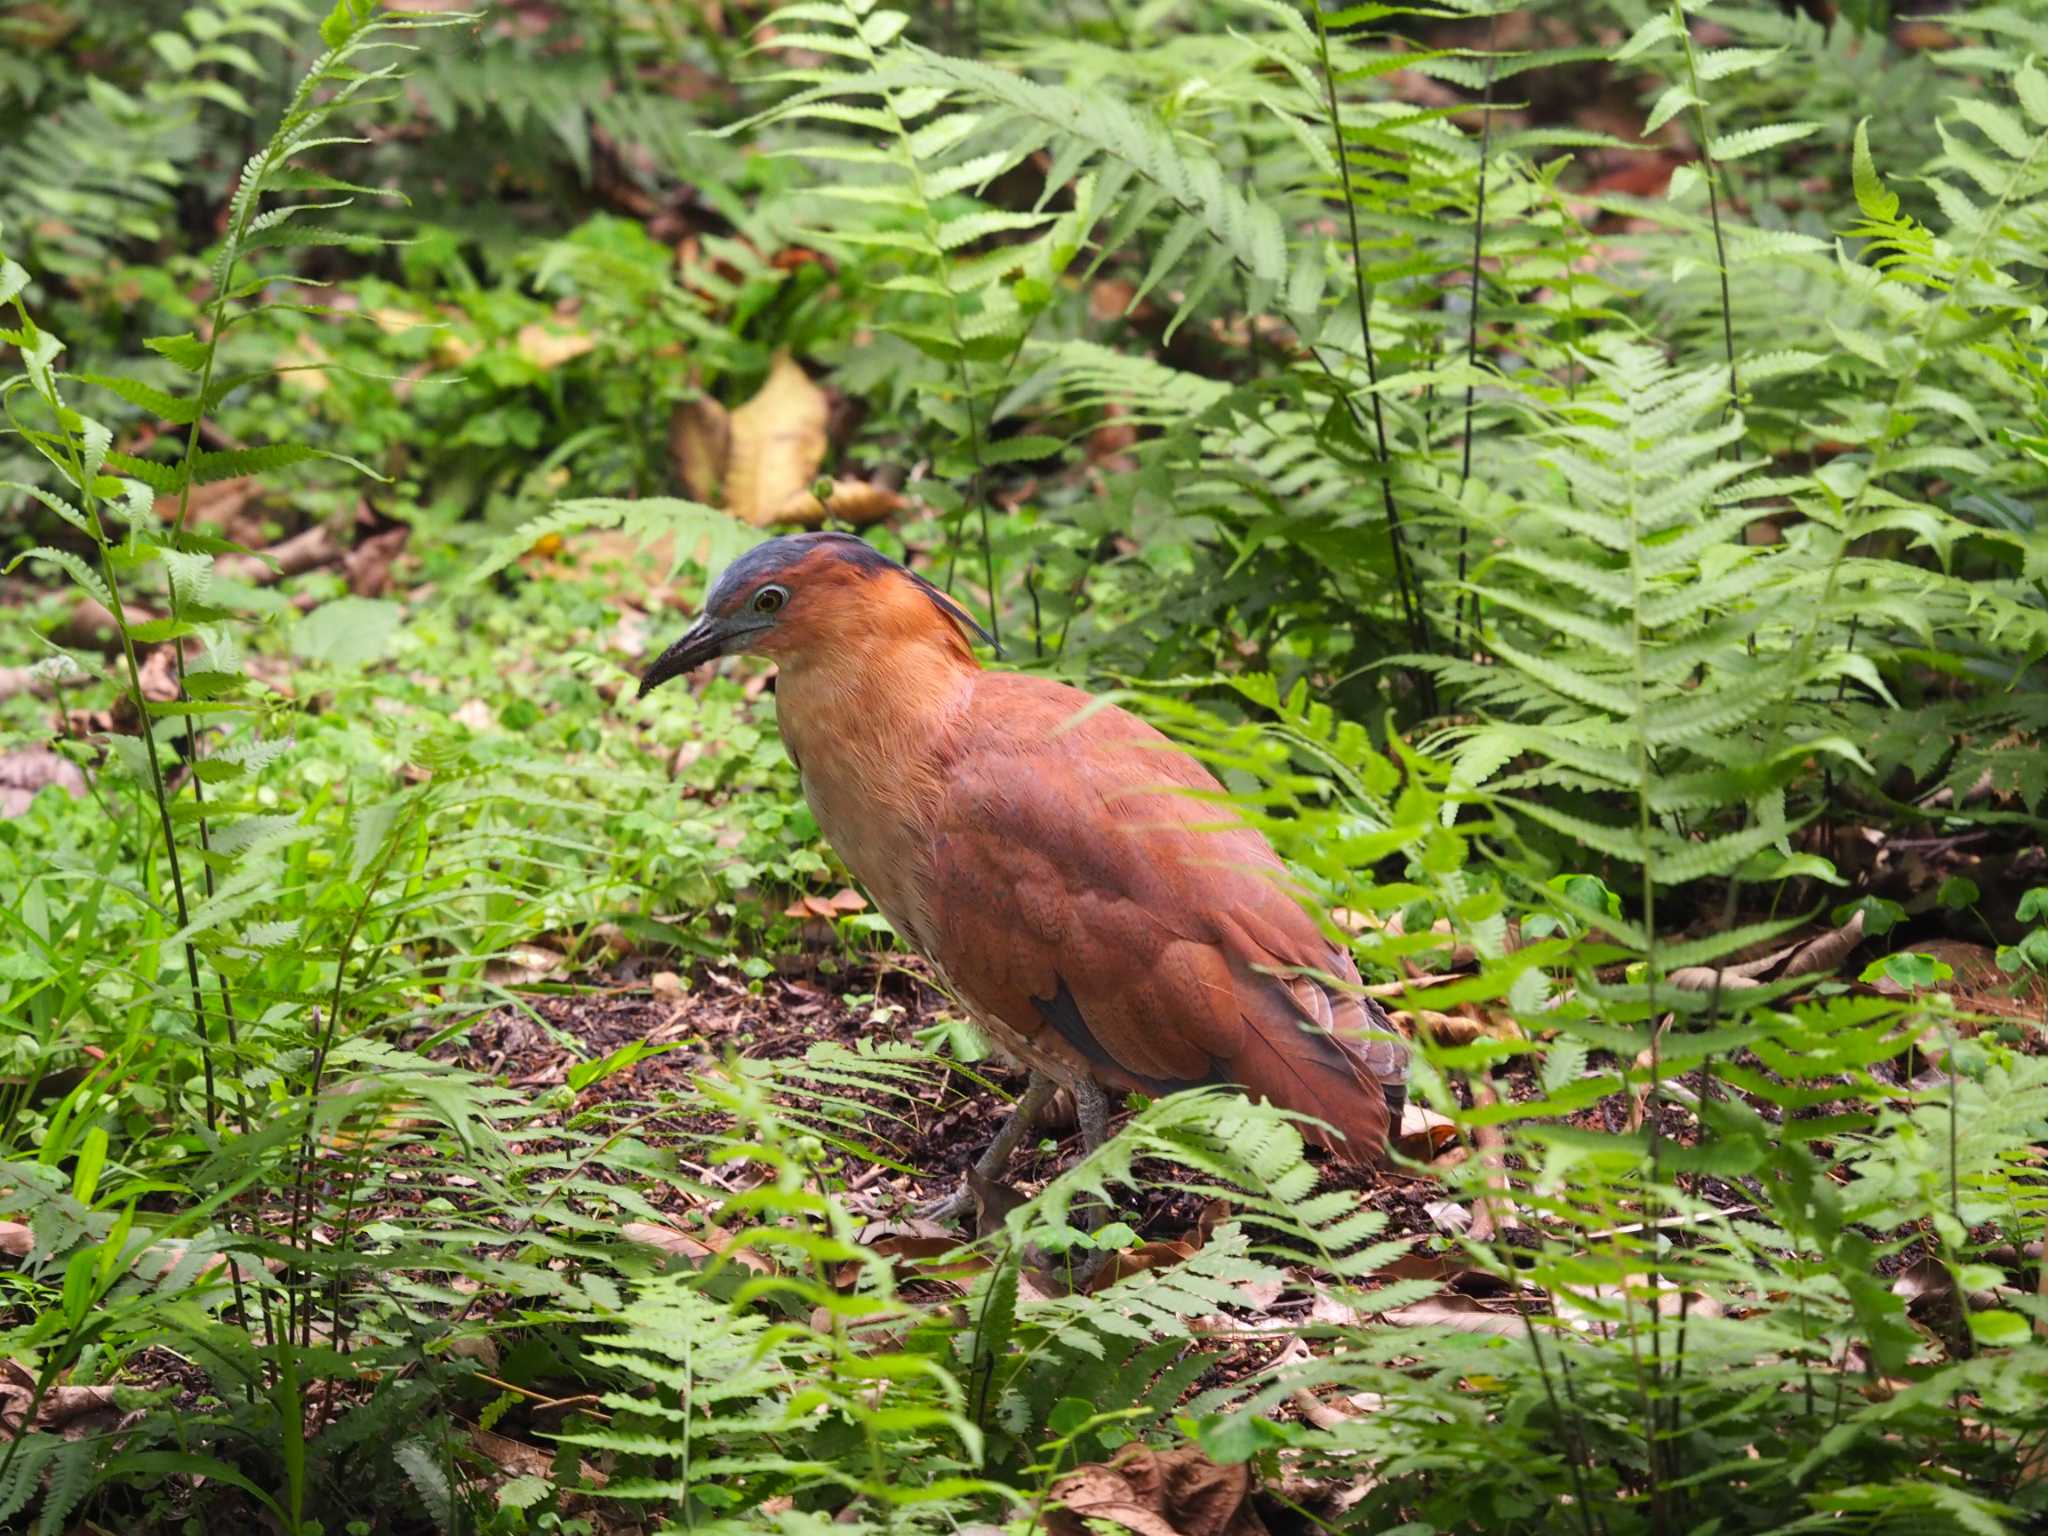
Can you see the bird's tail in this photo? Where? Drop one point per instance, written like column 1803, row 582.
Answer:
column 1335, row 1057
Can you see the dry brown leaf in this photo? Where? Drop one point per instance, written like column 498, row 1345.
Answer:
column 1455, row 1028
column 1178, row 1492
column 1977, row 984
column 1820, row 955
column 25, row 774
column 777, row 443
column 851, row 501
column 474, row 714
column 1460, row 1312
column 223, row 503
column 75, row 1412
column 1423, row 1133
column 699, row 442
column 841, row 903
column 713, row 1242
column 156, row 1263
column 1594, row 1306
column 917, row 1250
column 524, row 964
column 1126, row 1262
column 368, row 565
column 547, row 349
column 515, row 1458
column 393, row 321
column 452, row 350
column 41, row 681
column 304, row 551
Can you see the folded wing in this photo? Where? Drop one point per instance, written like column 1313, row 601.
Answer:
column 1090, row 909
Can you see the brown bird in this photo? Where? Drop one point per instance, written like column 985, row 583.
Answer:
column 1103, row 925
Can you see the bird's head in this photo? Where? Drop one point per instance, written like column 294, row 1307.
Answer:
column 808, row 596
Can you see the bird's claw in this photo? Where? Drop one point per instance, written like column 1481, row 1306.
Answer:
column 948, row 1207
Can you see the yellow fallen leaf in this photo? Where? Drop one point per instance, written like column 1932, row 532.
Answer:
column 299, row 366
column 451, row 350
column 392, row 320
column 852, row 501
column 547, row 350
column 777, row 443
column 699, row 439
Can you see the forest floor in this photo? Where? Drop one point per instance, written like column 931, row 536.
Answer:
column 698, row 1020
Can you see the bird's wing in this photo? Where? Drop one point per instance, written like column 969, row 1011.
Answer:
column 1074, row 896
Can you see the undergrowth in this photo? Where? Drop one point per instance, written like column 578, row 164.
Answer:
column 1588, row 588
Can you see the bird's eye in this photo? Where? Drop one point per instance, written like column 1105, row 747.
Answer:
column 770, row 599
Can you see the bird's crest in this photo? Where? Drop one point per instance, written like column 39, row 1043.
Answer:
column 784, row 555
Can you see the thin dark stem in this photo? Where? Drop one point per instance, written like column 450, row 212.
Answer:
column 1564, row 1424
column 302, row 1184
column 1037, row 620
column 1418, row 633
column 1713, row 170
column 1460, row 624
column 163, row 809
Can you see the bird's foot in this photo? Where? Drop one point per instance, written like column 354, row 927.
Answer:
column 982, row 1188
column 948, row 1207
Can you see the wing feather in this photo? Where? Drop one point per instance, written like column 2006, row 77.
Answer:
column 1078, row 901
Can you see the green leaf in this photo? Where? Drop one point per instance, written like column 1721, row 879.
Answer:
column 2028, row 83
column 524, row 1491
column 184, row 349
column 1911, row 969
column 73, row 567
column 1997, row 1328
column 1750, row 141
column 347, row 632
column 1958, row 892
column 176, row 409
column 1871, row 195
column 92, row 1158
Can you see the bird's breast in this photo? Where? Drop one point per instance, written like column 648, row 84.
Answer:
column 881, row 845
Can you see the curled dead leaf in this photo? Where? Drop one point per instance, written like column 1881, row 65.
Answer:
column 841, row 903
column 306, row 550
column 515, row 1458
column 917, row 1250
column 368, row 565
column 1821, row 955
column 1423, row 1133
column 1177, row 1492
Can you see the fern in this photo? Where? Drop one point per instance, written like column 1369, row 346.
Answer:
column 696, row 533
column 101, row 170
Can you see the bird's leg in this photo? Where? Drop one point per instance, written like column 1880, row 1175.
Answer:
column 1091, row 1109
column 1023, row 1115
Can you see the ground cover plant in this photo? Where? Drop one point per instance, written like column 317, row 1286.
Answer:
column 1574, row 470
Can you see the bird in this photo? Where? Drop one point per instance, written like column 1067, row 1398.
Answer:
column 1077, row 881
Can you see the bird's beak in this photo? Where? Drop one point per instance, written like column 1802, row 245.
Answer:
column 706, row 641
